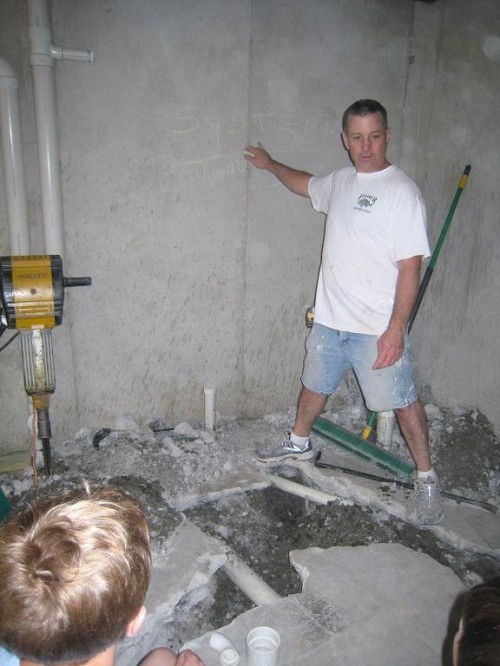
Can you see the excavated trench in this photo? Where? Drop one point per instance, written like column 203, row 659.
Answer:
column 261, row 526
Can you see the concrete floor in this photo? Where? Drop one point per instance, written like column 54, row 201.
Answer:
column 382, row 604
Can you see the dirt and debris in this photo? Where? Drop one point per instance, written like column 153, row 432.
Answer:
column 181, row 472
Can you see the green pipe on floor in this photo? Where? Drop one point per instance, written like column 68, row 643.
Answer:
column 364, row 449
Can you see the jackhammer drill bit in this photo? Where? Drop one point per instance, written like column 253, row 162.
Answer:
column 44, row 434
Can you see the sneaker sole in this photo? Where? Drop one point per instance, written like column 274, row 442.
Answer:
column 307, row 455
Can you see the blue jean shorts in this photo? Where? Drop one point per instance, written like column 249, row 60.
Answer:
column 331, row 353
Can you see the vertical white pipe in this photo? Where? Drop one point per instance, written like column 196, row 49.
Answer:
column 385, row 428
column 209, row 395
column 10, row 134
column 46, row 125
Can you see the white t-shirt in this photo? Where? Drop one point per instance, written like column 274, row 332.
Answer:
column 373, row 221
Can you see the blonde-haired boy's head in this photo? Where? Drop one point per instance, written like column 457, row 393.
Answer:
column 74, row 572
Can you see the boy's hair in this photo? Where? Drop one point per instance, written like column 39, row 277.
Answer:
column 479, row 644
column 74, row 571
column 364, row 107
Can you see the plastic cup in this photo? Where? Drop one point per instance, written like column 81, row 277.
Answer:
column 263, row 646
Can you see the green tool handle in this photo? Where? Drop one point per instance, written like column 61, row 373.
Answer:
column 427, row 275
column 369, row 425
column 430, row 268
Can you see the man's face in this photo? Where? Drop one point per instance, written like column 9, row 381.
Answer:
column 366, row 140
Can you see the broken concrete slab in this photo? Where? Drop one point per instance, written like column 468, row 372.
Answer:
column 383, row 605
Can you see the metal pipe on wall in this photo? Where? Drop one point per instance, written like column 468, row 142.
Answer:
column 10, row 134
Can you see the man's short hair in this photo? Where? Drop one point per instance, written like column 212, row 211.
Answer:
column 479, row 644
column 73, row 573
column 364, row 107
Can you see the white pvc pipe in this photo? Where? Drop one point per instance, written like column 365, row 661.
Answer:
column 46, row 125
column 10, row 135
column 318, row 496
column 60, row 53
column 385, row 429
column 249, row 583
column 209, row 397
column 228, row 654
column 220, row 642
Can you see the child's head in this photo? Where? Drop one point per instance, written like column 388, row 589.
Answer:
column 477, row 642
column 74, row 573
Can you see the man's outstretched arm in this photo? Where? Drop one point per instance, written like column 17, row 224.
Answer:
column 296, row 180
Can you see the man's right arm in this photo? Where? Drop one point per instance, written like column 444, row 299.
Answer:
column 296, row 181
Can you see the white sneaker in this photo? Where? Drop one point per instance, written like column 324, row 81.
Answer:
column 284, row 450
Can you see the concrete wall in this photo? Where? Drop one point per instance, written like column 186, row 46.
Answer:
column 202, row 267
column 457, row 351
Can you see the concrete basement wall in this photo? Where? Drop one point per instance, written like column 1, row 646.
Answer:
column 202, row 267
column 458, row 355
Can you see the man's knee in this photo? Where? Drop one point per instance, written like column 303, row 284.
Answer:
column 408, row 409
column 412, row 412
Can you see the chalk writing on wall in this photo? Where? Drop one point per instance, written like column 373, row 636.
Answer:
column 190, row 121
column 211, row 170
column 216, row 169
column 307, row 132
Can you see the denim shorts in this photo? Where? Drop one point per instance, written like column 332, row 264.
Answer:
column 331, row 353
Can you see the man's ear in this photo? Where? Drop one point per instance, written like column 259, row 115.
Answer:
column 388, row 134
column 136, row 623
column 345, row 140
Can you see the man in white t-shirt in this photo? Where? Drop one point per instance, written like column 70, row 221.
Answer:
column 375, row 240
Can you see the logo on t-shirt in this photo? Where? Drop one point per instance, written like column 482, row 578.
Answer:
column 365, row 202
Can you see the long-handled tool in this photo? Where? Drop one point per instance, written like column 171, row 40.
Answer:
column 363, row 448
column 402, row 484
column 427, row 276
column 360, row 445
